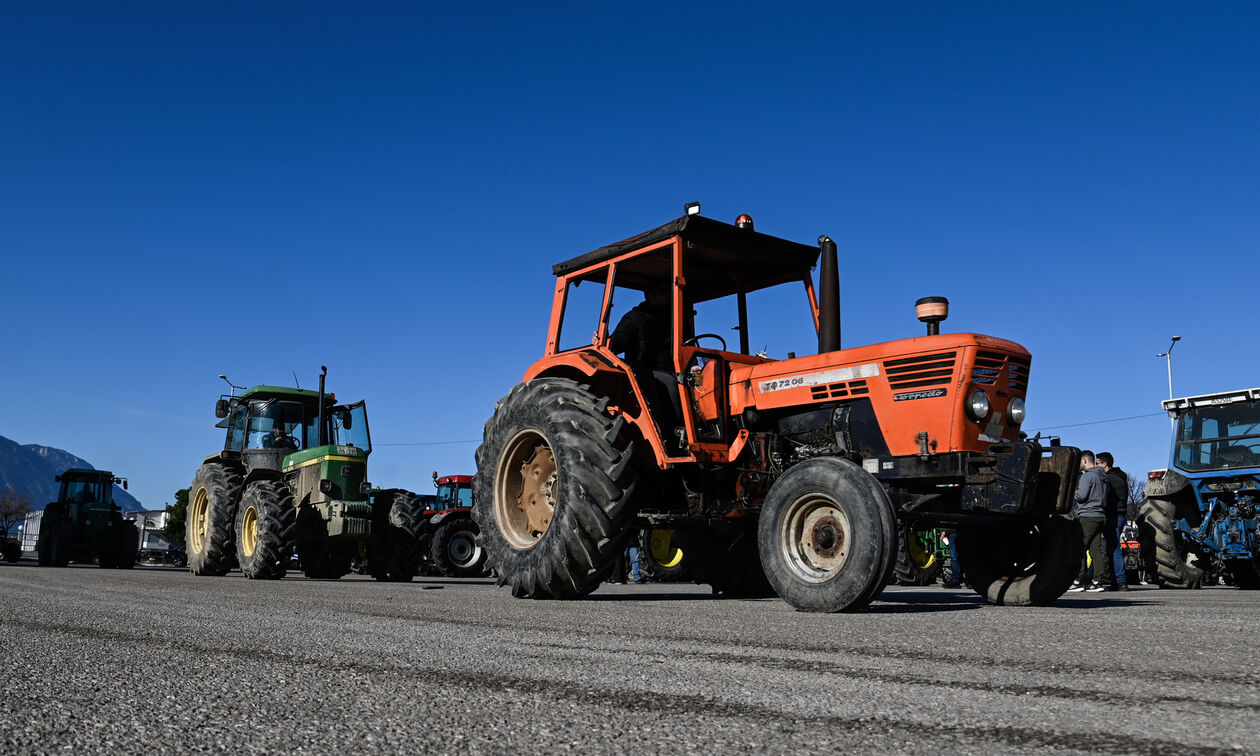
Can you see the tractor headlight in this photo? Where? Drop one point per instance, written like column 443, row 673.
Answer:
column 365, row 487
column 1015, row 410
column 978, row 405
column 325, row 485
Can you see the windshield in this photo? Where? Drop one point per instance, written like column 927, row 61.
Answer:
column 454, row 496
column 82, row 491
column 350, row 427
column 277, row 424
column 1218, row 438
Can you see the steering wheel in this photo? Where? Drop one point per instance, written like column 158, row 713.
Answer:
column 695, row 340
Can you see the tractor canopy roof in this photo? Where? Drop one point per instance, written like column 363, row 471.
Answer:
column 447, row 480
column 80, row 473
column 282, row 392
column 1211, row 400
column 719, row 259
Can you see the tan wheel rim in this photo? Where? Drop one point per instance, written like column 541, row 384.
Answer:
column 199, row 521
column 249, row 531
column 815, row 538
column 525, row 489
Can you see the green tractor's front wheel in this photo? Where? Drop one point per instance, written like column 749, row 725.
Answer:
column 211, row 515
column 265, row 529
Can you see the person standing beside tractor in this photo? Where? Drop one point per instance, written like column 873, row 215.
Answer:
column 1115, row 514
column 1091, row 494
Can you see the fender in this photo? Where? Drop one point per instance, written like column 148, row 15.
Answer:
column 1165, row 483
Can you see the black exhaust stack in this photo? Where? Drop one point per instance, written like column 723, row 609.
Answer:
column 828, row 297
column 323, row 432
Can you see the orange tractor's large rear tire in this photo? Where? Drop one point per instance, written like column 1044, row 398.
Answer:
column 211, row 515
column 553, row 486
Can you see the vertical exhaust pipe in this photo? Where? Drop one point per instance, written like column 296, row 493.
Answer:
column 322, row 433
column 828, row 297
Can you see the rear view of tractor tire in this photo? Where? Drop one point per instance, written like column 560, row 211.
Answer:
column 1026, row 562
column 55, row 534
column 916, row 563
column 265, row 529
column 212, row 503
column 553, row 488
column 394, row 552
column 1170, row 548
column 130, row 547
column 827, row 536
column 455, row 549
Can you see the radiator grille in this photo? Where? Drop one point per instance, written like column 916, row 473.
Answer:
column 989, row 366
column 920, row 371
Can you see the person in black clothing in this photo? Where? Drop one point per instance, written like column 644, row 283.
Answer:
column 1115, row 514
column 644, row 336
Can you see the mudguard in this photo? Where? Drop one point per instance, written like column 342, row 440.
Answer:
column 1166, row 485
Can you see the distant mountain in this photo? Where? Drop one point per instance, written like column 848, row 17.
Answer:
column 31, row 470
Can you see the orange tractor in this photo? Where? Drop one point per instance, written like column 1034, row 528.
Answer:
column 794, row 476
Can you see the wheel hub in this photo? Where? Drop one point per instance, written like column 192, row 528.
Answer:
column 826, row 537
column 200, row 521
column 249, row 531
column 537, row 500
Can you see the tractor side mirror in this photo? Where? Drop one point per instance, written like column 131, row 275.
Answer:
column 346, row 419
column 221, row 408
column 124, row 484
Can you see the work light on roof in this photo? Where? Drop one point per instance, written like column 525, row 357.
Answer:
column 692, row 208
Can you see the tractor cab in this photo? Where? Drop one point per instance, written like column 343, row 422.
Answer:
column 87, row 492
column 453, row 492
column 1218, row 433
column 268, row 424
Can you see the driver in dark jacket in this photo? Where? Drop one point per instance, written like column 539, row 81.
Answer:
column 644, row 336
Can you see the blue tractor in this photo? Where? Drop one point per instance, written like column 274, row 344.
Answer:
column 1202, row 509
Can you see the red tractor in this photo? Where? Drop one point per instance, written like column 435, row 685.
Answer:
column 448, row 540
column 791, row 476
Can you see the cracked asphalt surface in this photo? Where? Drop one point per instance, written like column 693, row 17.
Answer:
column 159, row 660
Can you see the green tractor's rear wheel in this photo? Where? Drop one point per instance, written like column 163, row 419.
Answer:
column 394, row 550
column 827, row 536
column 553, row 489
column 1026, row 562
column 212, row 501
column 455, row 549
column 917, row 563
column 265, row 529
column 661, row 556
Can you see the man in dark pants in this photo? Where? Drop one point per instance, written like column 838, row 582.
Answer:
column 1115, row 513
column 1091, row 493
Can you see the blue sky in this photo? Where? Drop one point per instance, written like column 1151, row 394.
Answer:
column 257, row 189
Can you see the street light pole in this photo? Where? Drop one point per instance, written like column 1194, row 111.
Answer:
column 1168, row 355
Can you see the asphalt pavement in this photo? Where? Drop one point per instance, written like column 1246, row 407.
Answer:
column 155, row 660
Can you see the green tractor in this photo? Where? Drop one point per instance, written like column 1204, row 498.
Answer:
column 293, row 474
column 84, row 523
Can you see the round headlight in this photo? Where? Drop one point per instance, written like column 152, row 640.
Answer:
column 978, row 405
column 1016, row 410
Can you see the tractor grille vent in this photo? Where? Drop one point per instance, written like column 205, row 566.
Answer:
column 917, row 372
column 988, row 369
column 840, row 390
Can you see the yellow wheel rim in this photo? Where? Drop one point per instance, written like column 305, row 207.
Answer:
column 920, row 556
column 249, row 531
column 661, row 543
column 199, row 521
